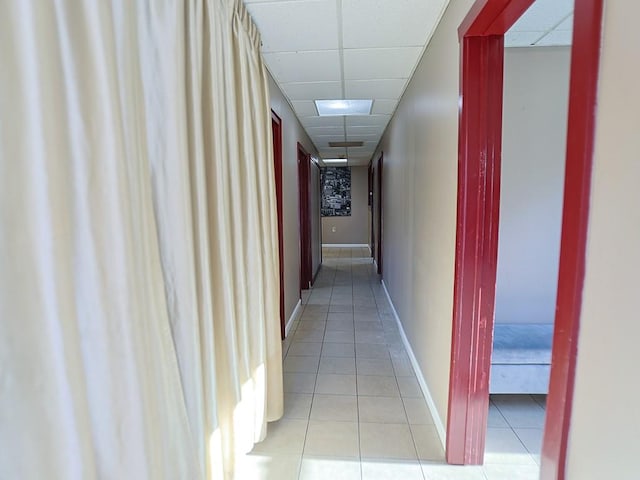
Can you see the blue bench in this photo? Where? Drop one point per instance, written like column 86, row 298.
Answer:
column 521, row 359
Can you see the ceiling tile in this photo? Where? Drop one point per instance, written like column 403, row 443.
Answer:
column 312, row 90
column 286, row 26
column 323, row 142
column 371, row 120
column 364, row 138
column 543, row 15
column 370, row 130
column 332, row 130
column 389, row 23
column 332, row 152
column 317, row 66
column 389, row 88
column 375, row 63
column 567, row 24
column 304, row 108
column 322, row 122
column 521, row 39
column 556, row 38
column 384, row 106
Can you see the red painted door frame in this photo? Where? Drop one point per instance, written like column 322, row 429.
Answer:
column 372, row 235
column 304, row 185
column 480, row 139
column 276, row 129
column 379, row 239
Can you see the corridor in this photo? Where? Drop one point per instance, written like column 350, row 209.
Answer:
column 353, row 405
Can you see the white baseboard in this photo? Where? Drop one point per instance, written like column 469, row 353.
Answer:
column 442, row 432
column 344, row 245
column 292, row 318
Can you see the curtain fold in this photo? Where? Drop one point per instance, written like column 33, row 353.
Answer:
column 139, row 316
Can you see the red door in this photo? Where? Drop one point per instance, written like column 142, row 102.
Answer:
column 276, row 128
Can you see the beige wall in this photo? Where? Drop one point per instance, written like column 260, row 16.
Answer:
column 420, row 184
column 536, row 95
column 352, row 229
column 603, row 440
column 292, row 133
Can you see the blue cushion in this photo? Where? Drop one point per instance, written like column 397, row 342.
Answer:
column 522, row 343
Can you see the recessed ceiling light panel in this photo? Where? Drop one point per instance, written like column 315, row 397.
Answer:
column 346, row 144
column 334, row 160
column 343, row 107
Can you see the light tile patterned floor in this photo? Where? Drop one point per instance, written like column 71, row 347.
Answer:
column 353, row 406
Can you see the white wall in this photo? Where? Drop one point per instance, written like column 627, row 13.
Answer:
column 352, row 229
column 419, row 194
column 536, row 96
column 292, row 133
column 603, row 440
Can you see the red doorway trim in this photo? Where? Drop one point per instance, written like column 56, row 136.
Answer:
column 480, row 144
column 379, row 239
column 583, row 89
column 276, row 129
column 482, row 56
column 304, row 185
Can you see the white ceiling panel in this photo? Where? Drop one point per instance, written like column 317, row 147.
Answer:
column 334, row 130
column 322, row 122
column 543, row 15
column 298, row 25
column 312, row 91
column 389, row 23
column 387, row 88
column 556, row 38
column 304, row 108
column 384, row 106
column 546, row 23
column 373, row 63
column 370, row 130
column 567, row 24
column 332, row 152
column 521, row 39
column 368, row 121
column 363, row 138
column 310, row 66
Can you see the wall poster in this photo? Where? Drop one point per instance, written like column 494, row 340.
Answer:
column 336, row 191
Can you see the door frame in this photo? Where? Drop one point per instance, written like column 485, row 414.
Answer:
column 372, row 240
column 380, row 230
column 276, row 129
column 479, row 156
column 304, row 189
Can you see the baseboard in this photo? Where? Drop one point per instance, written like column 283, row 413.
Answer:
column 292, row 318
column 442, row 432
column 344, row 245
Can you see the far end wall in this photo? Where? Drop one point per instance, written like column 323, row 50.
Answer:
column 352, row 229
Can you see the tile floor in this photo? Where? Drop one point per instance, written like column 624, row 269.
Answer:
column 353, row 405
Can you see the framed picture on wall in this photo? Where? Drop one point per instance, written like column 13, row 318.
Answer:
column 336, row 191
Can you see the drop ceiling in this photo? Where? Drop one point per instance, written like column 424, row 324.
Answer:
column 344, row 49
column 545, row 23
column 366, row 49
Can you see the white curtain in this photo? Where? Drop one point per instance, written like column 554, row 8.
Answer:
column 139, row 334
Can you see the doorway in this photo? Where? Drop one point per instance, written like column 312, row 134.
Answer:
column 375, row 202
column 276, row 130
column 480, row 138
column 304, row 186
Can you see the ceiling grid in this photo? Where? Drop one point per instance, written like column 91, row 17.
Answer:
column 366, row 49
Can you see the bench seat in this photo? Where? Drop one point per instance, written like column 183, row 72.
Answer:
column 521, row 358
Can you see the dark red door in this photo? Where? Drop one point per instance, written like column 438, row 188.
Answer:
column 276, row 127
